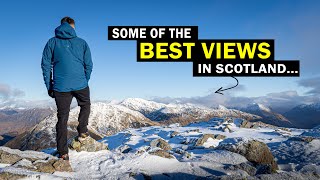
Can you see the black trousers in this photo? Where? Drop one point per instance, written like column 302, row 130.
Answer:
column 63, row 101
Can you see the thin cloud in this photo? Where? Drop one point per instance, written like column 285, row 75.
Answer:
column 312, row 83
column 6, row 92
column 284, row 101
column 279, row 101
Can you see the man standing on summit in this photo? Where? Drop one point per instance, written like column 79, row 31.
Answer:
column 66, row 66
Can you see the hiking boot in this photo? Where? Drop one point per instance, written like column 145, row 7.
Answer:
column 64, row 157
column 83, row 136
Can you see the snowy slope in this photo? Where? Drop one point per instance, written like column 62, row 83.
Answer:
column 108, row 118
column 293, row 156
column 142, row 105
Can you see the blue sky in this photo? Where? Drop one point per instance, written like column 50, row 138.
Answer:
column 27, row 25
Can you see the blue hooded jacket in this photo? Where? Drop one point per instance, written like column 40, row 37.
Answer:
column 66, row 61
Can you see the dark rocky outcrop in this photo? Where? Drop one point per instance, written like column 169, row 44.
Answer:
column 302, row 138
column 204, row 138
column 89, row 144
column 11, row 176
column 173, row 134
column 160, row 143
column 255, row 151
column 161, row 153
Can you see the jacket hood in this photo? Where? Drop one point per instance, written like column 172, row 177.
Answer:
column 65, row 31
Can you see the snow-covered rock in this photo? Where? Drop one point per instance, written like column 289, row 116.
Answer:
column 205, row 137
column 161, row 153
column 297, row 151
column 255, row 151
column 88, row 144
column 25, row 161
column 295, row 158
column 160, row 143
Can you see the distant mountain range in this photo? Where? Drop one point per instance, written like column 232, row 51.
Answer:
column 304, row 116
column 181, row 113
column 108, row 118
column 105, row 119
column 268, row 115
column 14, row 121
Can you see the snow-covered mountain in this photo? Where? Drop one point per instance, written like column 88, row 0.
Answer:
column 195, row 142
column 105, row 119
column 267, row 114
column 144, row 106
column 181, row 113
column 305, row 116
